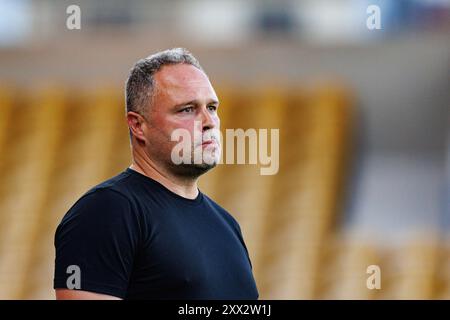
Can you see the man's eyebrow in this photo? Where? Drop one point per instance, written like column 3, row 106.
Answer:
column 212, row 101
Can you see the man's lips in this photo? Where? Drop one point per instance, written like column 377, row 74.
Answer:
column 209, row 142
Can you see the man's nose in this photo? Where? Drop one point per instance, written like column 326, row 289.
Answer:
column 208, row 119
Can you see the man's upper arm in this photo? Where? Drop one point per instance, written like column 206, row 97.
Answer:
column 68, row 294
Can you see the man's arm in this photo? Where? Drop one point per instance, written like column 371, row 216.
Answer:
column 95, row 245
column 68, row 294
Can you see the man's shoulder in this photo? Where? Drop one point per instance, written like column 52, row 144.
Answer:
column 118, row 185
column 223, row 212
column 109, row 194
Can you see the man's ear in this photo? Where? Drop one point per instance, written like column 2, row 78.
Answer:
column 136, row 124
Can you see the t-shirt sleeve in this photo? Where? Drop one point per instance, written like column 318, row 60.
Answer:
column 241, row 238
column 237, row 229
column 96, row 241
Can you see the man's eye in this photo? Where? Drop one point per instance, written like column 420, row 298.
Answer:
column 212, row 108
column 187, row 110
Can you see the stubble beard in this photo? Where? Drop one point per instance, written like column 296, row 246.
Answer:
column 194, row 170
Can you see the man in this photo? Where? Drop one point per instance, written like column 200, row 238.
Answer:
column 149, row 233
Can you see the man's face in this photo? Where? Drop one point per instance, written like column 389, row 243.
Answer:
column 185, row 100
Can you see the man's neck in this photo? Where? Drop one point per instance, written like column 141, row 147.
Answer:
column 185, row 188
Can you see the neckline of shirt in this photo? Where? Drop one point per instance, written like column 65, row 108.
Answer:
column 196, row 201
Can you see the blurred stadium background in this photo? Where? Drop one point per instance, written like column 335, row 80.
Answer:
column 363, row 117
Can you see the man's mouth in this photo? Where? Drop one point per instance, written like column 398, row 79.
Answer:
column 210, row 142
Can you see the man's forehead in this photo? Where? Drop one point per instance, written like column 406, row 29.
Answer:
column 181, row 76
column 177, row 84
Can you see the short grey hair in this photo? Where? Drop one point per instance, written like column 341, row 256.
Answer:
column 140, row 83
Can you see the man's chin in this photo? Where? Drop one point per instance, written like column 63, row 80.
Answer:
column 193, row 170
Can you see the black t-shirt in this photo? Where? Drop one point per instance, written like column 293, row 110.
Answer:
column 133, row 238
